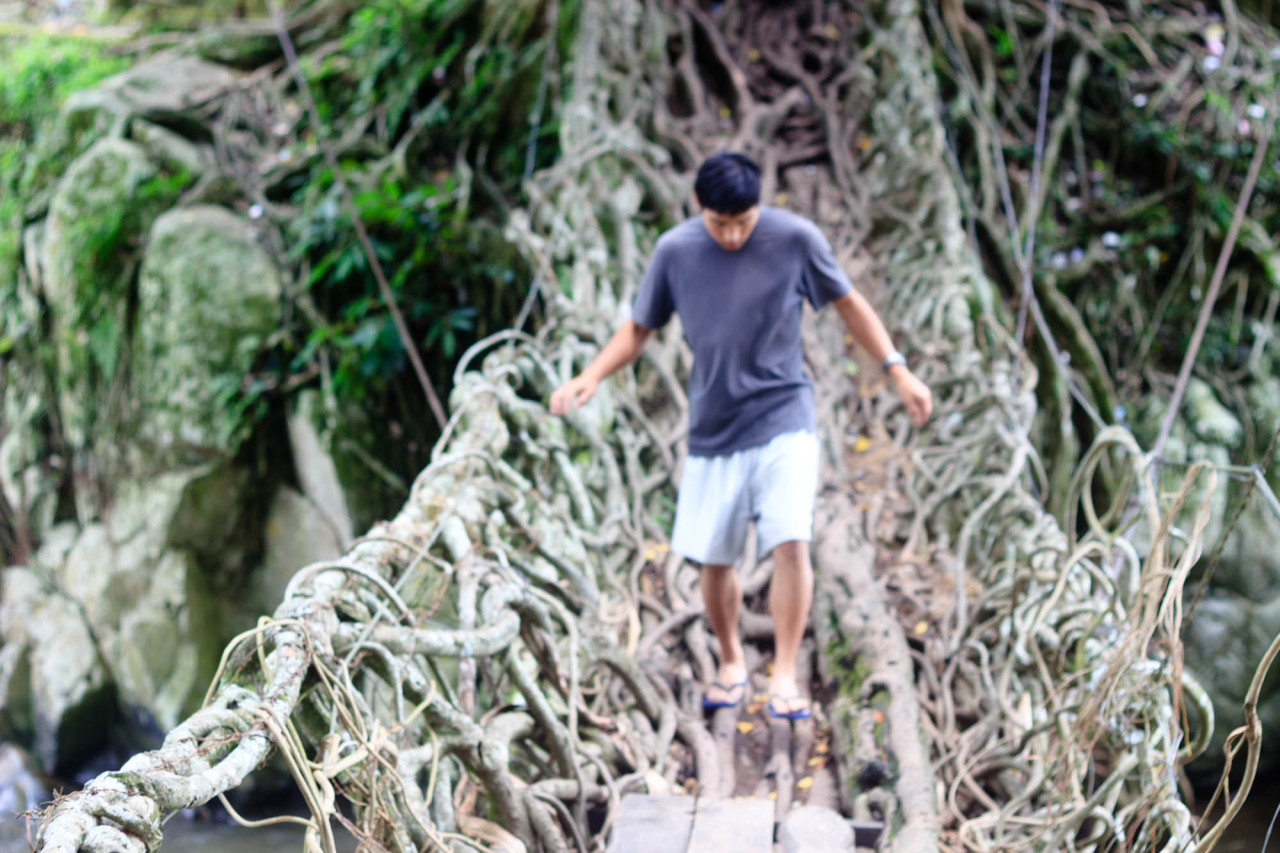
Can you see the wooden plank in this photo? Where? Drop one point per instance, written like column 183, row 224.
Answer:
column 648, row 824
column 743, row 826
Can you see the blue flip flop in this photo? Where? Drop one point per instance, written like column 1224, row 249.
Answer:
column 709, row 705
column 797, row 714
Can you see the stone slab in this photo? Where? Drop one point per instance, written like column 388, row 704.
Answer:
column 744, row 826
column 647, row 824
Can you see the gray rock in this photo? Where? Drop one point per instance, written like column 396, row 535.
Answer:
column 144, row 596
column 209, row 296
column 58, row 541
column 813, row 829
column 317, row 472
column 297, row 534
column 144, row 579
column 154, row 652
column 170, row 150
column 70, row 692
column 22, row 785
column 346, row 437
column 1228, row 633
column 28, row 486
column 164, row 87
column 20, row 589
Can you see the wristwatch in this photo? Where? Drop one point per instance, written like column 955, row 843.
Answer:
column 893, row 358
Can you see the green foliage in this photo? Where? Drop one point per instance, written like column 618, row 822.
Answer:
column 448, row 86
column 448, row 72
column 37, row 73
column 452, row 277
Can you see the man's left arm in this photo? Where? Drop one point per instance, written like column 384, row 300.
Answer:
column 869, row 332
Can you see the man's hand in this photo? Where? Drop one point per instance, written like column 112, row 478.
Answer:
column 913, row 393
column 574, row 394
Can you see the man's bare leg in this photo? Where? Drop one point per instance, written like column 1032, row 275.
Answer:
column 723, row 596
column 790, row 596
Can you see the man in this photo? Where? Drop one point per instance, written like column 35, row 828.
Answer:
column 737, row 275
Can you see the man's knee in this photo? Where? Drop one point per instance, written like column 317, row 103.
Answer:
column 714, row 572
column 794, row 553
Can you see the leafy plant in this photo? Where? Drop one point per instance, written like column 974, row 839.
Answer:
column 37, row 73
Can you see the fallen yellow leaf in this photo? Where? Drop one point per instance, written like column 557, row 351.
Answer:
column 861, row 444
column 831, row 31
column 818, row 761
column 805, row 784
column 753, row 55
column 754, row 706
column 773, row 795
column 725, row 112
column 745, row 727
column 822, row 747
column 760, row 698
column 864, row 144
column 780, row 199
column 922, row 628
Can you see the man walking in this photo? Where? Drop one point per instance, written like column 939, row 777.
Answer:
column 737, row 275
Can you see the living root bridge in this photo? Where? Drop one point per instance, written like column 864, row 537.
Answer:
column 491, row 634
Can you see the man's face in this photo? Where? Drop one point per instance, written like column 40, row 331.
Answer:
column 731, row 230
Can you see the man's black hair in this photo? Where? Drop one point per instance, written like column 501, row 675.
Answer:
column 728, row 183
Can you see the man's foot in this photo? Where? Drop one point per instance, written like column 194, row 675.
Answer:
column 728, row 690
column 789, row 707
column 785, row 701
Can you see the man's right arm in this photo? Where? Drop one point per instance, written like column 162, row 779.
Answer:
column 623, row 348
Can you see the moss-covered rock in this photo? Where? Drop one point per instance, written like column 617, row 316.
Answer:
column 98, row 216
column 208, row 297
column 1227, row 636
column 152, row 580
column 1208, row 418
column 164, row 88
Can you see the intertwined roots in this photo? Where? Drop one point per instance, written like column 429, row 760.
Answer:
column 482, row 665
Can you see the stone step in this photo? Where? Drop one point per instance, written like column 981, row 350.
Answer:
column 815, row 829
column 648, row 824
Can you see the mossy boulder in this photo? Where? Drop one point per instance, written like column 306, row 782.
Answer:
column 152, row 580
column 165, row 88
column 99, row 214
column 209, row 296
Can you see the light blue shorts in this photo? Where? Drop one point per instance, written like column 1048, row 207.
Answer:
column 772, row 485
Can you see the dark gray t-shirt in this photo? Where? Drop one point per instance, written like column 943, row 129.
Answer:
column 741, row 315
